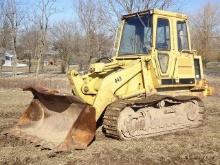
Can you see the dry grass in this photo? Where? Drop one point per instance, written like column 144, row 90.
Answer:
column 195, row 146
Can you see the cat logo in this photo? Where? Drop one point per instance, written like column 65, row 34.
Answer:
column 118, row 79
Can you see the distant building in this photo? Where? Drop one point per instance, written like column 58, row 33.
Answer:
column 9, row 59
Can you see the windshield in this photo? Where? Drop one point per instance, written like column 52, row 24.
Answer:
column 136, row 36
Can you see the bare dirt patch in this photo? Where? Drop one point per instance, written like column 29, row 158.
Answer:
column 195, row 146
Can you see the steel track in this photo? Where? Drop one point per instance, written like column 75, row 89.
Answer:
column 110, row 122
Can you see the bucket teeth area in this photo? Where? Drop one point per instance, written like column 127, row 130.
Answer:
column 37, row 142
column 53, row 120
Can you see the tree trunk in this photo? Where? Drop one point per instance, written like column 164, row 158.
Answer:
column 14, row 64
column 65, row 63
column 1, row 66
column 40, row 58
column 63, row 67
column 14, row 60
column 29, row 63
column 38, row 66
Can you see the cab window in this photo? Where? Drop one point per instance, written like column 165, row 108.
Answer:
column 136, row 36
column 163, row 34
column 183, row 43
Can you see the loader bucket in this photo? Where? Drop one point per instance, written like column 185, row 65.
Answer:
column 56, row 121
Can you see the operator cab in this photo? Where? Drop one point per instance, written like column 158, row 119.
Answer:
column 151, row 29
column 164, row 37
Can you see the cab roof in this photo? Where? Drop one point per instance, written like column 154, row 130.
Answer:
column 157, row 12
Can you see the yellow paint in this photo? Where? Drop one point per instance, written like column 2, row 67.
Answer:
column 130, row 76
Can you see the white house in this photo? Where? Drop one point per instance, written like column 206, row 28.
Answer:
column 8, row 60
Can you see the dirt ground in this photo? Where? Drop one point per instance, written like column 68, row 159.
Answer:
column 196, row 146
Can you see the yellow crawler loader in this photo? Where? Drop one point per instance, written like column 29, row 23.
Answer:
column 153, row 85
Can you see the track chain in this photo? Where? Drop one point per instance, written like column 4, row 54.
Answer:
column 113, row 111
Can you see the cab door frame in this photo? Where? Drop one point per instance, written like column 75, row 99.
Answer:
column 184, row 71
column 160, row 53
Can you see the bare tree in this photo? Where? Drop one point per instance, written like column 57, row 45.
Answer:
column 206, row 30
column 1, row 35
column 13, row 18
column 114, row 9
column 129, row 6
column 99, row 20
column 43, row 14
column 65, row 41
column 1, row 22
column 87, row 15
column 93, row 22
column 29, row 43
column 1, row 11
